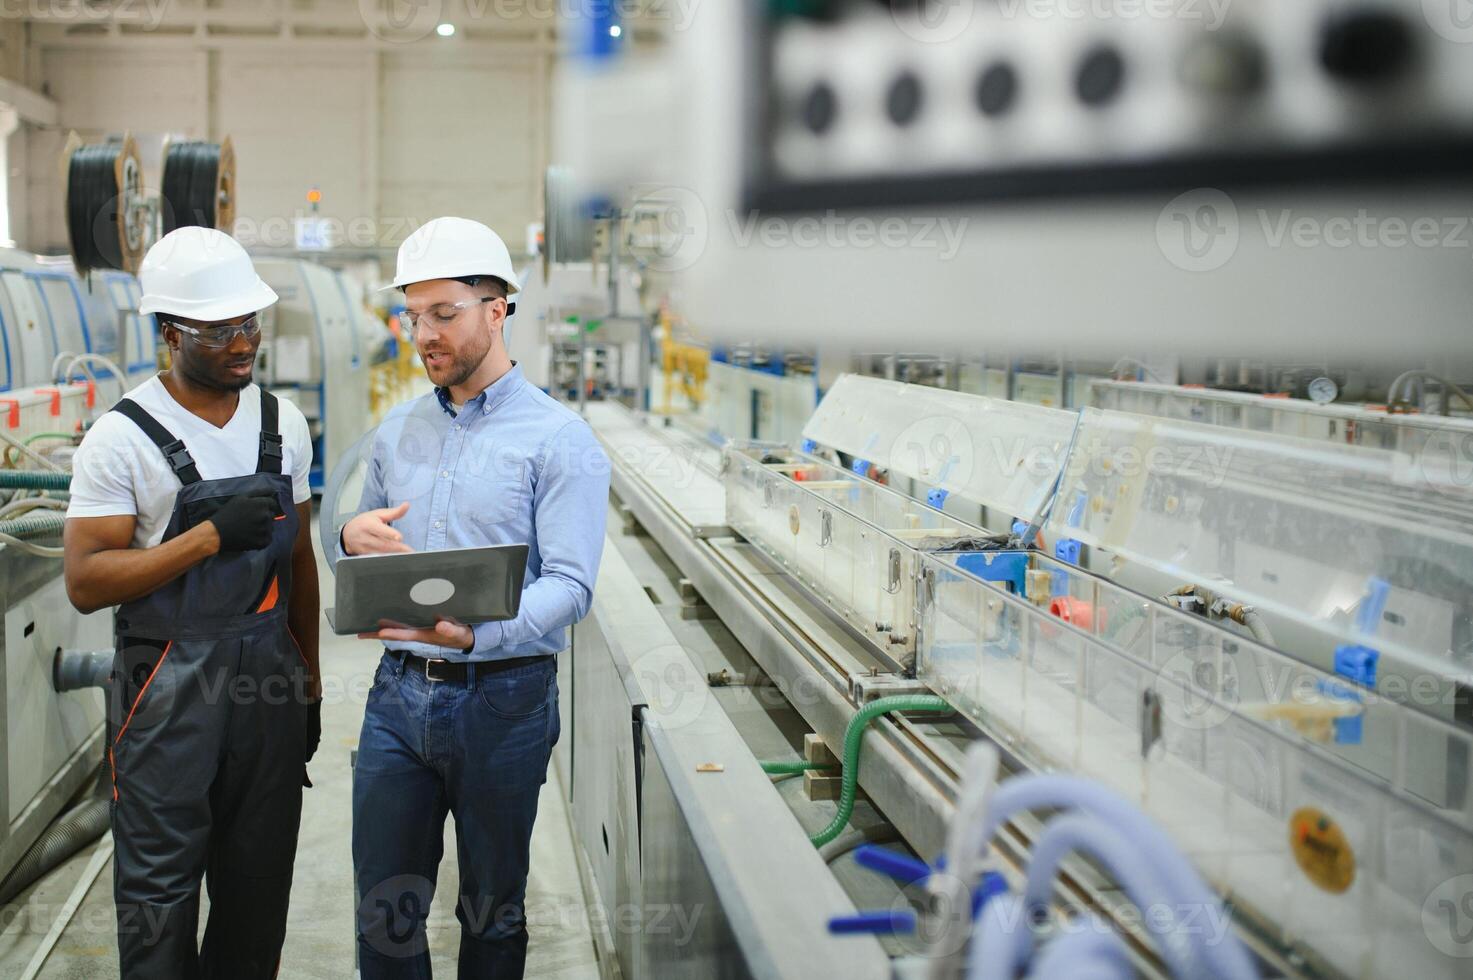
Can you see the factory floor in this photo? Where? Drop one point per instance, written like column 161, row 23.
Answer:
column 319, row 940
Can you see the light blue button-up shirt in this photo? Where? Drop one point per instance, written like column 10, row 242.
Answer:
column 513, row 467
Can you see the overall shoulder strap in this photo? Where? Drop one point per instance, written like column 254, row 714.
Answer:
column 173, row 449
column 269, row 460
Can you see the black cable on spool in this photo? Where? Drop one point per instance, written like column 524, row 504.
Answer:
column 97, row 207
column 191, row 185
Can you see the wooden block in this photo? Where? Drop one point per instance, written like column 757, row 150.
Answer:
column 821, row 787
column 816, row 751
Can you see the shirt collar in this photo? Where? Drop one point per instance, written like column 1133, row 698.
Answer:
column 496, row 393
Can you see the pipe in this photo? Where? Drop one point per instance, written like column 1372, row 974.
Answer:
column 1252, row 619
column 880, row 833
column 40, row 551
column 76, row 670
column 1447, row 386
column 1093, row 949
column 33, row 527
column 791, row 768
column 36, row 457
column 32, row 480
column 68, row 834
column 1059, row 792
column 1000, row 946
column 854, row 737
column 106, row 362
column 1121, row 857
column 32, row 503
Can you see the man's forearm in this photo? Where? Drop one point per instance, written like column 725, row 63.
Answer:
column 107, row 578
column 550, row 603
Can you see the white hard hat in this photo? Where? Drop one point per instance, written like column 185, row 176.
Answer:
column 453, row 248
column 202, row 274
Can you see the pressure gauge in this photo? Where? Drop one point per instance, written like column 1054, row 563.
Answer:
column 1322, row 391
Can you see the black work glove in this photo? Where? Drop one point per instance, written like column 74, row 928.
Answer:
column 314, row 737
column 244, row 522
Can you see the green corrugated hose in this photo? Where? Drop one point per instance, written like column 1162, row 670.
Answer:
column 854, row 737
column 791, row 768
column 33, row 527
column 34, row 480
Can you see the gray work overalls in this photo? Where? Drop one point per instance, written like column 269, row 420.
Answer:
column 207, row 729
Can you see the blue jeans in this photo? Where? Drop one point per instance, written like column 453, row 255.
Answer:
column 478, row 750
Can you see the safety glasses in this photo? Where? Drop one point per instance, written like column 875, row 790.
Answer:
column 439, row 316
column 220, row 336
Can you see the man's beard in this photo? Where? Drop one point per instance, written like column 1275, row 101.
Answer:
column 463, row 363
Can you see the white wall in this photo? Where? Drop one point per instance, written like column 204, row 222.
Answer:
column 392, row 134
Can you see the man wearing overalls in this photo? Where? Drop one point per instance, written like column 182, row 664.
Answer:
column 190, row 512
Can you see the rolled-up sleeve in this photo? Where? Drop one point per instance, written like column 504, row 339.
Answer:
column 569, row 506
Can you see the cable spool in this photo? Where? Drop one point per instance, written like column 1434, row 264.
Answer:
column 199, row 185
column 107, row 216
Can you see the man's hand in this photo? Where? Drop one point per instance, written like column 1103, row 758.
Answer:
column 447, row 633
column 314, row 737
column 244, row 521
column 370, row 534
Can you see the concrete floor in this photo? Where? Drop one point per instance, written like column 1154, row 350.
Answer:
column 319, row 941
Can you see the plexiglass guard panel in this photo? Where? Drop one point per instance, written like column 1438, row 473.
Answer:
column 1369, row 545
column 1343, row 861
column 849, row 541
column 998, row 453
column 1427, row 437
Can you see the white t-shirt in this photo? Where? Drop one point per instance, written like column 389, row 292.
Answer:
column 118, row 471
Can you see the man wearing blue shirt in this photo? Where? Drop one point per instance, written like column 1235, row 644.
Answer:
column 462, row 720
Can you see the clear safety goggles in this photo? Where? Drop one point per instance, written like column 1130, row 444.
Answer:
column 222, row 335
column 439, row 316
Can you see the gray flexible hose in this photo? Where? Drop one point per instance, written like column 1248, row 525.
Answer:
column 880, row 833
column 68, row 834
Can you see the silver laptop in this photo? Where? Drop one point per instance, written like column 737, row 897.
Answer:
column 468, row 585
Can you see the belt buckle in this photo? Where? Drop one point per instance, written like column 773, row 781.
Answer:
column 430, row 670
